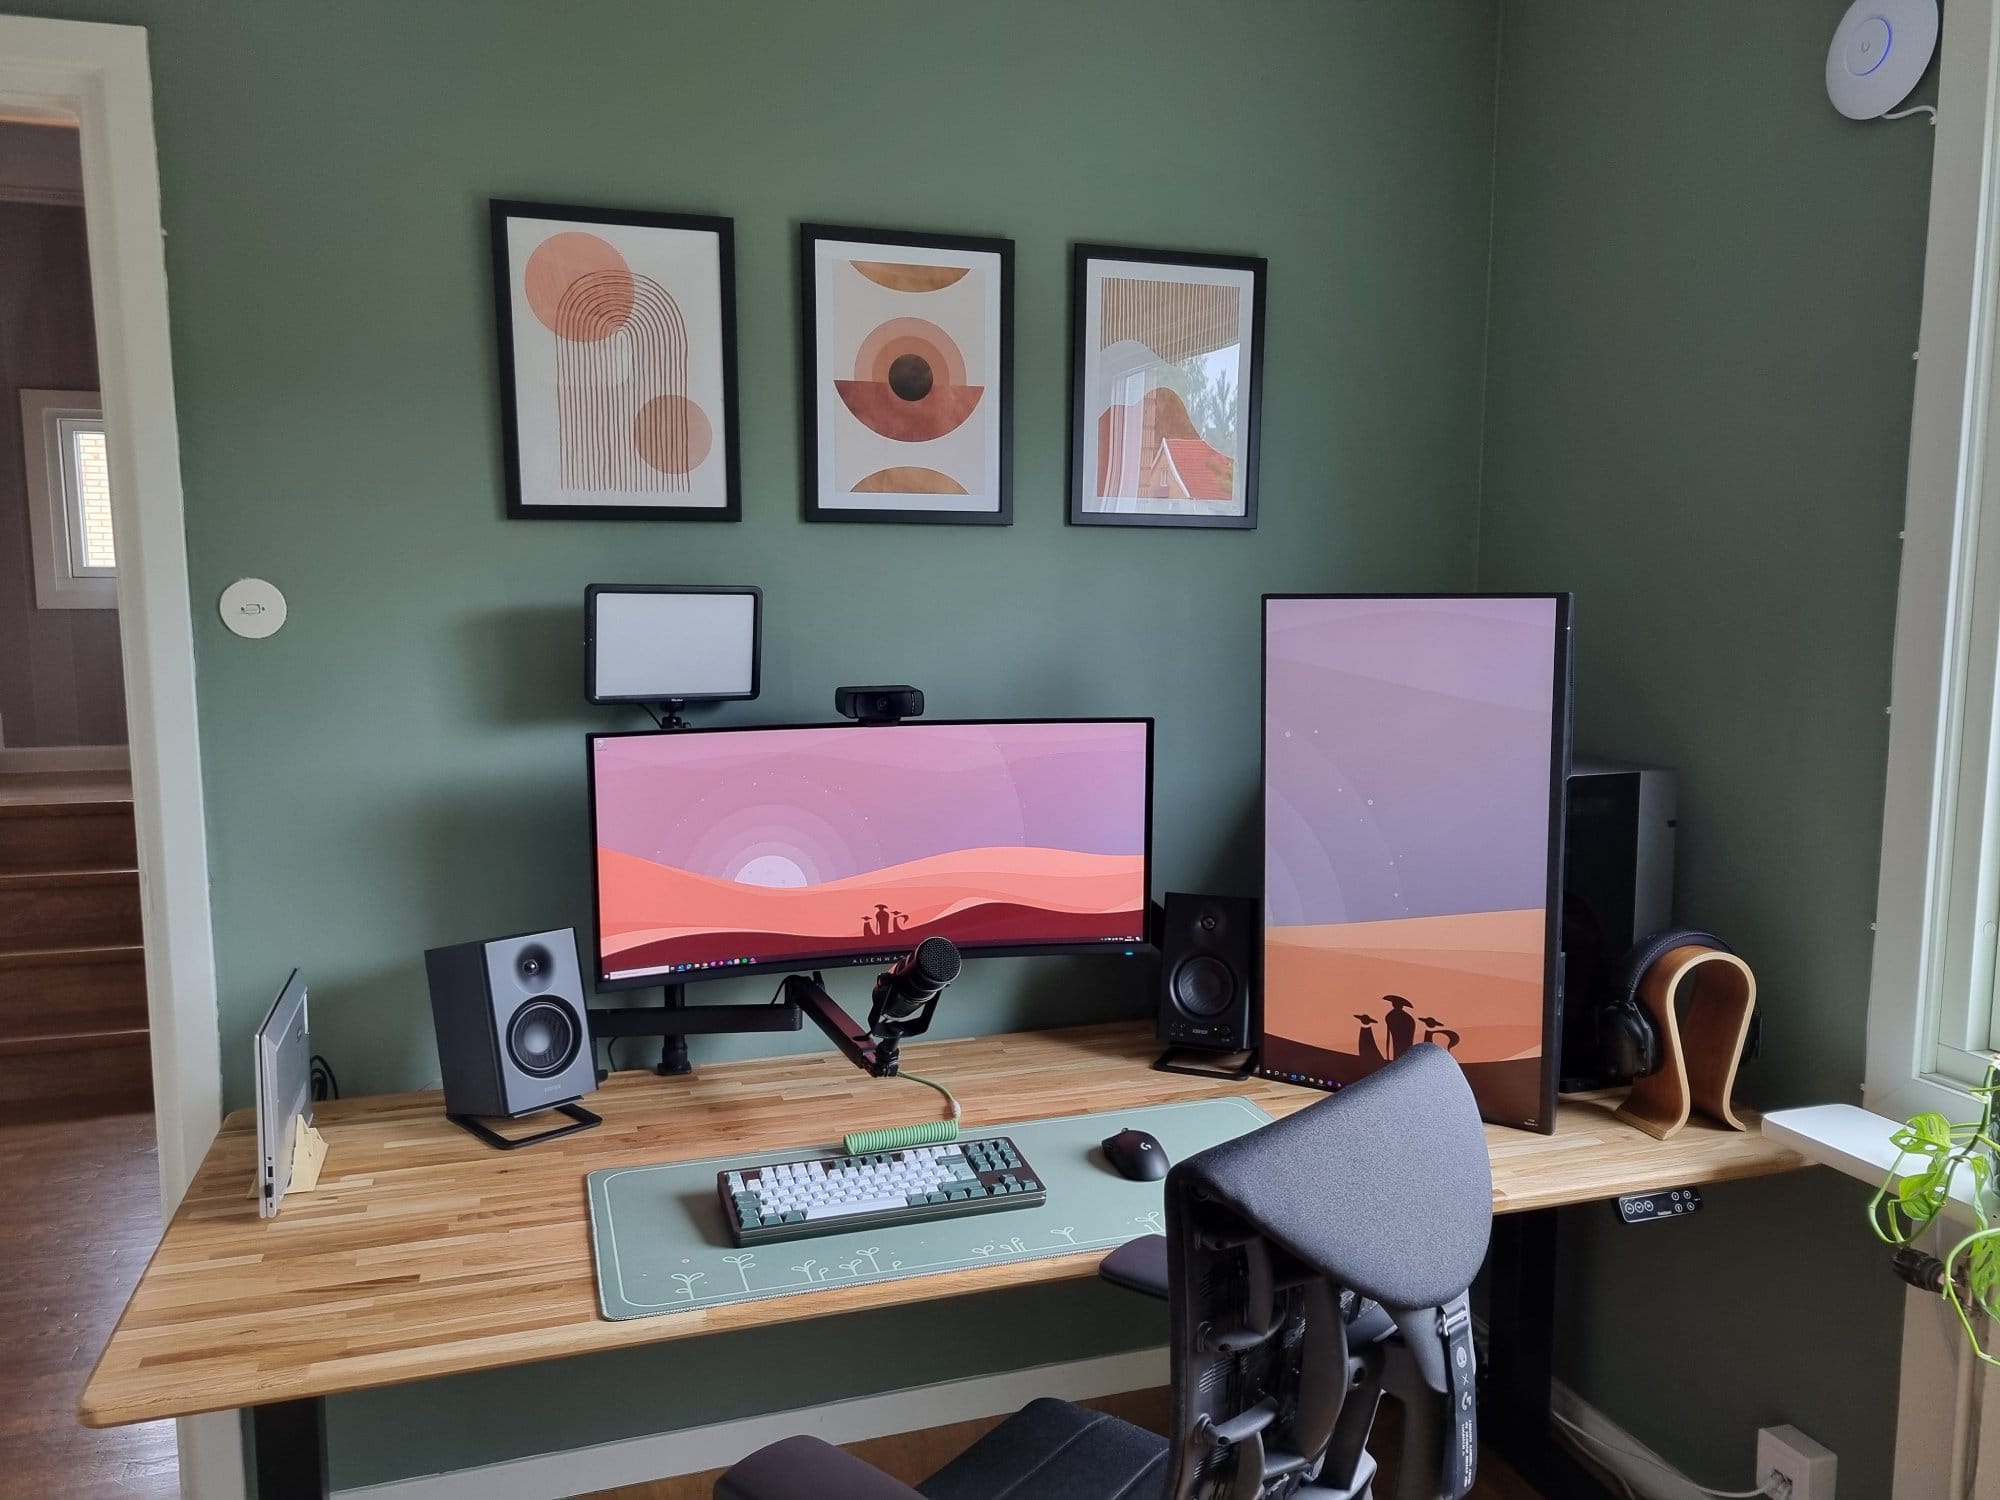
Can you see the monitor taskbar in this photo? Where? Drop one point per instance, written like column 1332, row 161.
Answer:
column 804, row 960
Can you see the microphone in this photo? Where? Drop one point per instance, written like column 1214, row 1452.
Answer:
column 904, row 988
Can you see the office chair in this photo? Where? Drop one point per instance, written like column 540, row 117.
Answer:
column 1312, row 1267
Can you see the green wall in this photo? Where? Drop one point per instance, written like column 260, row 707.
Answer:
column 1690, row 406
column 1705, row 301
column 402, row 765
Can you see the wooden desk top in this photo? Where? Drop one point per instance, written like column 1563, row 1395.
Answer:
column 424, row 1253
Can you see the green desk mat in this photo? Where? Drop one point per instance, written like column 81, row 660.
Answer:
column 662, row 1247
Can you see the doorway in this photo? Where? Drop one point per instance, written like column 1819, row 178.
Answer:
column 76, row 1094
column 95, row 80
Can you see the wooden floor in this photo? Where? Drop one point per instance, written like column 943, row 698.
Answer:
column 912, row 1456
column 81, row 1214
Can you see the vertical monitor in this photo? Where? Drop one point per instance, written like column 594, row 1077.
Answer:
column 1415, row 754
column 735, row 851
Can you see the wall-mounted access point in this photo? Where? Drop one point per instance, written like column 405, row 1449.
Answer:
column 1880, row 50
column 252, row 608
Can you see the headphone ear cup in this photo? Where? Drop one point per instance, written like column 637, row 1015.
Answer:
column 1628, row 1041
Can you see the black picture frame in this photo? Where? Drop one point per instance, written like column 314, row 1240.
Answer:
column 810, row 235
column 521, row 505
column 1081, row 257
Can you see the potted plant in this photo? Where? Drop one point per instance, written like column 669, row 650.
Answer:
column 1933, row 1153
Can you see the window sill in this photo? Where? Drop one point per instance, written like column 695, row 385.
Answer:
column 1849, row 1139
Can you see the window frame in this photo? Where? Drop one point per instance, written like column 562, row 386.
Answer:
column 47, row 419
column 1939, row 876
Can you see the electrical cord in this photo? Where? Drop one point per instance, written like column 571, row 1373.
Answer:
column 323, row 1085
column 896, row 1137
column 1661, row 1464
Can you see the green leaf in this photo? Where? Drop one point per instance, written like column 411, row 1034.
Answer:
column 1982, row 1277
column 1927, row 1134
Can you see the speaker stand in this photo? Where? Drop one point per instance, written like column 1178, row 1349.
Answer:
column 675, row 1021
column 580, row 1119
column 1228, row 1066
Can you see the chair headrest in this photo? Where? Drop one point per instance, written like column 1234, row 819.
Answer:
column 1383, row 1187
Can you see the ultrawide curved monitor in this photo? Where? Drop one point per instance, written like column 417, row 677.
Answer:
column 739, row 851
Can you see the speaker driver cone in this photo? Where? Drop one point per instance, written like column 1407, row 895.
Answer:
column 1203, row 986
column 543, row 1038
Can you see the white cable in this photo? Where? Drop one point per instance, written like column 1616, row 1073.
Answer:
column 1904, row 114
column 1659, row 1463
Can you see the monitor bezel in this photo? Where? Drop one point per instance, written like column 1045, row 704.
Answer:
column 806, row 962
column 590, row 595
column 1560, row 751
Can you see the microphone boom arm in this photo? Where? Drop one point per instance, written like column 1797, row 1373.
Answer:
column 876, row 1048
column 876, row 1055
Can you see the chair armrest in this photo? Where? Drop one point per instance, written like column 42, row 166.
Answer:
column 1138, row 1265
column 804, row 1468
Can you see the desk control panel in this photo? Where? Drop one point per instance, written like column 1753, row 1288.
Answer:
column 827, row 1194
column 1665, row 1203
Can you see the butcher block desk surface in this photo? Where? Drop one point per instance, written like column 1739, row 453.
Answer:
column 424, row 1253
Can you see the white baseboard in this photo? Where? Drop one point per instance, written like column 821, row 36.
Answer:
column 549, row 1476
column 65, row 758
column 1650, row 1476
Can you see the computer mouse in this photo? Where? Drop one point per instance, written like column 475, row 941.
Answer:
column 1135, row 1155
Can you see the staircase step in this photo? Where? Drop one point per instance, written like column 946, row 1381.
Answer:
column 56, row 836
column 30, row 1046
column 75, row 1076
column 70, row 909
column 78, row 990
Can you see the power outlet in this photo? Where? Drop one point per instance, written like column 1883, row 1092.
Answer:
column 1791, row 1466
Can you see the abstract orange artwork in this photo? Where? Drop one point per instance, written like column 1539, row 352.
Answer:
column 618, row 362
column 1165, row 388
column 907, row 406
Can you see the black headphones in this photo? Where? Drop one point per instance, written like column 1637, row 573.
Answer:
column 1627, row 1039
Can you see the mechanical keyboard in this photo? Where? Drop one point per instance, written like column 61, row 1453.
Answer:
column 831, row 1194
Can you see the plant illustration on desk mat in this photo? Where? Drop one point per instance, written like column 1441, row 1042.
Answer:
column 1909, row 1203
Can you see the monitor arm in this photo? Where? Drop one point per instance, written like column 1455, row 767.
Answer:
column 874, row 1049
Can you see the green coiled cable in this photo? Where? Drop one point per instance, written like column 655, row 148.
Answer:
column 897, row 1137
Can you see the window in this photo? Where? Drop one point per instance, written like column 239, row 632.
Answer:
column 69, row 500
column 1933, row 1017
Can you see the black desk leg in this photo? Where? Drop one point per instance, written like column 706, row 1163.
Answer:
column 288, row 1442
column 1514, row 1419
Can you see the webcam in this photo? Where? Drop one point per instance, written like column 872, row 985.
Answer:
column 879, row 705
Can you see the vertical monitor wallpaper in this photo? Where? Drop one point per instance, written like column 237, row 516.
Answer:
column 721, row 849
column 1411, row 751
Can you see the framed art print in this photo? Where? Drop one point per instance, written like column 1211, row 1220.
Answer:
column 1165, row 387
column 617, row 363
column 909, row 410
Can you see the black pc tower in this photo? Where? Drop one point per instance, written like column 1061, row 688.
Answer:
column 1618, row 887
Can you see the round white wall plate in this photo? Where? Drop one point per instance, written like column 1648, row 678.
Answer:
column 252, row 608
column 1880, row 50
